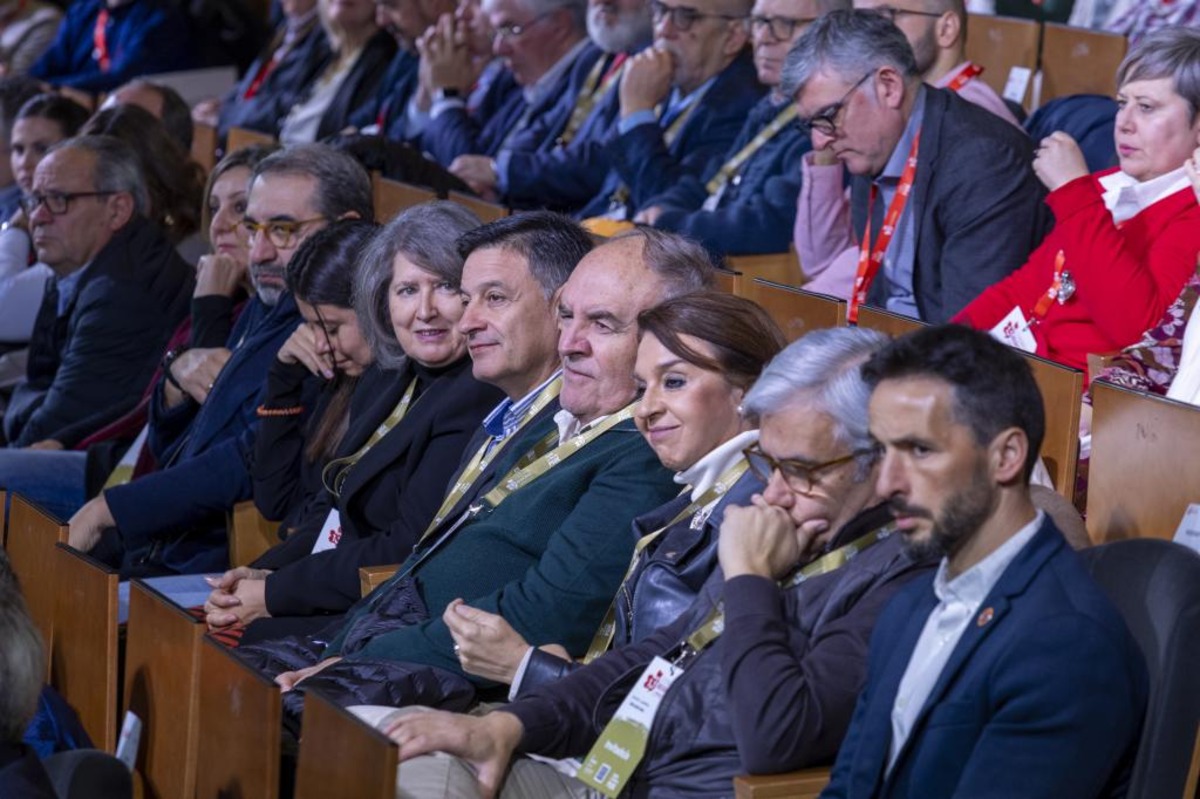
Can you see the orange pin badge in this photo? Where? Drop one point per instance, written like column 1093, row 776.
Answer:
column 985, row 616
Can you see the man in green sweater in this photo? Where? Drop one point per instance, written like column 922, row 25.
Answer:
column 545, row 544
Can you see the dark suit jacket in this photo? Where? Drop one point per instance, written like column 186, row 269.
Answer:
column 360, row 86
column 976, row 202
column 389, row 496
column 1045, row 699
column 386, row 105
column 456, row 131
column 22, row 775
column 101, row 353
column 279, row 91
column 642, row 160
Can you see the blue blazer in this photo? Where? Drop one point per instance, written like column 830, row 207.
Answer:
column 457, row 131
column 389, row 99
column 1043, row 696
column 643, row 161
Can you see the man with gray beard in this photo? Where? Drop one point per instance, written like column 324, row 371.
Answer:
column 203, row 413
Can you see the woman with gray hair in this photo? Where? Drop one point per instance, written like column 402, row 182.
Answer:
column 377, row 474
column 1126, row 239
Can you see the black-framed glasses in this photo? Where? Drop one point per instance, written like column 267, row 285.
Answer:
column 891, row 12
column 56, row 202
column 514, row 30
column 826, row 122
column 781, row 28
column 800, row 477
column 684, row 17
column 282, row 233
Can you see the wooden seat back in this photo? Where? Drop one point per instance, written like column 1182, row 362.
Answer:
column 1062, row 393
column 795, row 310
column 250, row 534
column 486, row 211
column 32, row 535
column 241, row 138
column 84, row 666
column 1144, row 471
column 781, row 267
column 340, row 755
column 371, row 577
column 1000, row 43
column 726, row 281
column 394, row 196
column 162, row 672
column 239, row 728
column 804, row 784
column 204, row 146
column 1079, row 61
column 894, row 324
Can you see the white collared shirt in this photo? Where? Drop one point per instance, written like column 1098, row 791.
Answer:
column 703, row 473
column 1125, row 197
column 569, row 425
column 959, row 599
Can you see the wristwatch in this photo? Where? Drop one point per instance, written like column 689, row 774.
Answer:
column 168, row 359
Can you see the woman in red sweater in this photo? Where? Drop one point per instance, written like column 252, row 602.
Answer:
column 1125, row 240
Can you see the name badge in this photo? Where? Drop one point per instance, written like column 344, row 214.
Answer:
column 1013, row 330
column 622, row 745
column 331, row 532
column 713, row 200
column 1188, row 532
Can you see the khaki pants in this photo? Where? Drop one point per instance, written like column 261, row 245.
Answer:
column 440, row 775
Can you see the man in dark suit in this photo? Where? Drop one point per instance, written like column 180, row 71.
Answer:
column 119, row 288
column 973, row 210
column 1008, row 673
column 203, row 414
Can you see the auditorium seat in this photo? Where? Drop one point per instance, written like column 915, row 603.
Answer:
column 803, row 784
column 486, row 211
column 241, row 138
column 394, row 196
column 795, row 310
column 1079, row 61
column 1000, row 43
column 340, row 755
column 32, row 534
column 250, row 534
column 204, row 146
column 1062, row 392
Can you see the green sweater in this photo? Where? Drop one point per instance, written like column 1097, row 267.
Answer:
column 548, row 559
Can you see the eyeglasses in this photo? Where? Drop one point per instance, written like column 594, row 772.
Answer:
column 282, row 233
column 683, row 17
column 800, row 477
column 826, row 122
column 56, row 202
column 781, row 28
column 891, row 13
column 517, row 29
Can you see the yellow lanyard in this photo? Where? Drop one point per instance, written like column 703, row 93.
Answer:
column 734, row 165
column 620, row 197
column 593, row 89
column 479, row 460
column 604, row 636
column 340, row 467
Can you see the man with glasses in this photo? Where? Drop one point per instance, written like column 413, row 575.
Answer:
column 765, row 666
column 747, row 202
column 204, row 411
column 118, row 291
column 944, row 201
column 682, row 103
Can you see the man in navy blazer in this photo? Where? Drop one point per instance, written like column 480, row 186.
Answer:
column 1009, row 673
column 203, row 414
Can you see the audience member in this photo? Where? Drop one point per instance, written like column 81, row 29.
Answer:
column 118, row 290
column 203, row 413
column 164, row 104
column 376, row 496
column 1011, row 638
column 963, row 206
column 15, row 91
column 747, row 203
column 27, row 29
column 1124, row 241
column 104, row 43
column 765, row 666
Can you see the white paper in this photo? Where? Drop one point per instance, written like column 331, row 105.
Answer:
column 1017, row 84
column 331, row 532
column 127, row 743
column 1188, row 532
column 1013, row 330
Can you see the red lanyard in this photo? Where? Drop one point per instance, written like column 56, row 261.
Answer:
column 870, row 259
column 969, row 72
column 257, row 83
column 100, row 41
column 1047, row 299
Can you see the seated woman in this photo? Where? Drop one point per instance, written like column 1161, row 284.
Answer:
column 699, row 354
column 1125, row 241
column 410, row 419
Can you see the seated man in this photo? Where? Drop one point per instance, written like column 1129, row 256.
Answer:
column 965, row 216
column 1009, row 668
column 682, row 103
column 538, row 547
column 104, row 43
column 118, row 291
column 203, row 413
column 804, row 571
column 747, row 203
column 163, row 102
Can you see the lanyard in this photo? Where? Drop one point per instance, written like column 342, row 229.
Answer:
column 261, row 76
column 620, row 197
column 734, row 165
column 1062, row 287
column 479, row 460
column 604, row 636
column 965, row 76
column 595, row 87
column 100, row 41
column 340, row 467
column 871, row 258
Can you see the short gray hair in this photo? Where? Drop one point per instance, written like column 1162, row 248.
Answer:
column 116, row 167
column 343, row 186
column 426, row 235
column 848, row 43
column 1167, row 53
column 823, row 370
column 683, row 265
column 22, row 659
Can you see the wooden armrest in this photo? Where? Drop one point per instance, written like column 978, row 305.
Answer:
column 371, row 577
column 250, row 535
column 804, row 784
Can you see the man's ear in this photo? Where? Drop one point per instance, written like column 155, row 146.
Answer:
column 120, row 209
column 948, row 30
column 890, row 87
column 1007, row 455
column 739, row 36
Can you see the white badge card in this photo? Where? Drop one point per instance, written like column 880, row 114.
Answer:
column 1013, row 330
column 331, row 532
column 1017, row 84
column 622, row 744
column 1188, row 532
